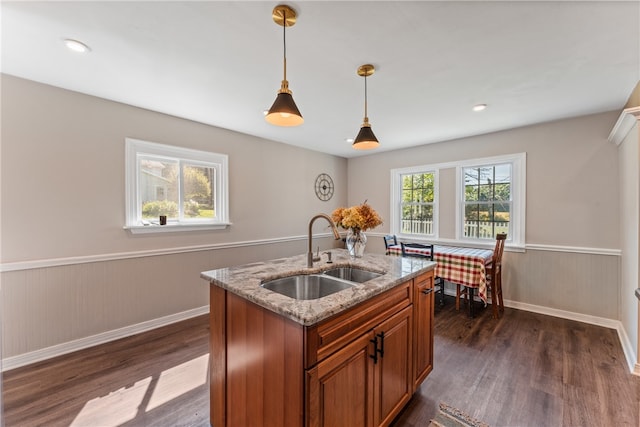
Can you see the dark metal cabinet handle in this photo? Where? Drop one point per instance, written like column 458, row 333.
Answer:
column 427, row 291
column 381, row 349
column 374, row 356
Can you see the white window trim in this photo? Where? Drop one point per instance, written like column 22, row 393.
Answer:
column 518, row 188
column 221, row 162
column 396, row 194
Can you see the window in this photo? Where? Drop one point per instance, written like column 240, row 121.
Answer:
column 414, row 199
column 487, row 201
column 187, row 186
column 483, row 197
column 491, row 199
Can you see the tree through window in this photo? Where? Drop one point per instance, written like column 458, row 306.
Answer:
column 187, row 186
column 487, row 201
column 417, row 204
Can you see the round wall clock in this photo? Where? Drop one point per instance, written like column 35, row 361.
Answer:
column 324, row 187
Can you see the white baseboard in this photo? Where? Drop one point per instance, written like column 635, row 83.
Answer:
column 82, row 343
column 569, row 315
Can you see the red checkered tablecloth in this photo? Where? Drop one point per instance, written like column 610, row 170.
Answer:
column 466, row 266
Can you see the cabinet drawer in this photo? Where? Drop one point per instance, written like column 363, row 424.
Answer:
column 330, row 335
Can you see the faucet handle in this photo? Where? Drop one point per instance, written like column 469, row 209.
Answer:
column 317, row 257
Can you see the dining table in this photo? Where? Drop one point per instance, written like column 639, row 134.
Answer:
column 460, row 265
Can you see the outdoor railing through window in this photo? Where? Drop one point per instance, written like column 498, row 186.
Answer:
column 474, row 229
column 417, row 227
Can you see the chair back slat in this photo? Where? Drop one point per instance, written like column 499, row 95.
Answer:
column 497, row 251
column 406, row 253
column 390, row 239
column 494, row 276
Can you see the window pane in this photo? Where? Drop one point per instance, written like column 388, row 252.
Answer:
column 470, row 193
column 418, row 187
column 502, row 217
column 485, row 193
column 198, row 194
column 471, row 176
column 188, row 186
column 502, row 192
column 417, row 219
column 471, row 218
column 158, row 188
column 472, row 212
column 485, row 220
column 417, row 203
column 490, row 188
column 407, row 182
column 502, row 173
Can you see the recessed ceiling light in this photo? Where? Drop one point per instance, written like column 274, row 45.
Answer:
column 349, row 140
column 479, row 107
column 76, row 46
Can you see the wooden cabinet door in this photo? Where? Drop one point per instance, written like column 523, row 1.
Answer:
column 339, row 389
column 423, row 299
column 393, row 385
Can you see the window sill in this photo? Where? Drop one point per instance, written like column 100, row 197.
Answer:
column 172, row 228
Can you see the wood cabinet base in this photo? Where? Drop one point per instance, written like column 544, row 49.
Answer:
column 358, row 368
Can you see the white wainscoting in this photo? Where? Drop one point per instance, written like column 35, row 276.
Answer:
column 79, row 344
column 56, row 306
column 52, row 307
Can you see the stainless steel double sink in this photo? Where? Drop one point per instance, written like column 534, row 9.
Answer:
column 314, row 286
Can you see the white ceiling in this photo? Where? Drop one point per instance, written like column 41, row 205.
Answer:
column 220, row 62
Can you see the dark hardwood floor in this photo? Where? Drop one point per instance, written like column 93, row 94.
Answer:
column 524, row 369
column 158, row 378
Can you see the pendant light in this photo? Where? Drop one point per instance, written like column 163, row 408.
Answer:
column 365, row 140
column 284, row 111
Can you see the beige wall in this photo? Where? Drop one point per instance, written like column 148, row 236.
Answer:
column 63, row 176
column 571, row 178
column 629, row 175
column 70, row 271
column 571, row 263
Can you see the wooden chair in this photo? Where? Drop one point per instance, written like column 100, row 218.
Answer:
column 494, row 276
column 438, row 282
column 494, row 281
column 389, row 239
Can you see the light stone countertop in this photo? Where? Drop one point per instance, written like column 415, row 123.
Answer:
column 245, row 280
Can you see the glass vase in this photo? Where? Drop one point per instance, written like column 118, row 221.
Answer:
column 356, row 241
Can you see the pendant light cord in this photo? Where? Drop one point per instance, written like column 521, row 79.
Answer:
column 284, row 41
column 365, row 99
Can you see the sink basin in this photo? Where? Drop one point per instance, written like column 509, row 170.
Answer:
column 307, row 286
column 352, row 274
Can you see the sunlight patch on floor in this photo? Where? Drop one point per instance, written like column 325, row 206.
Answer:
column 115, row 408
column 179, row 380
column 127, row 403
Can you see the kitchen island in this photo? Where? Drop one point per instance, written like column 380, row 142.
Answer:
column 353, row 358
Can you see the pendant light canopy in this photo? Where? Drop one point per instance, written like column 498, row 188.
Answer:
column 284, row 111
column 365, row 140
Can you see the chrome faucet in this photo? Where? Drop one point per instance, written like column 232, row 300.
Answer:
column 310, row 238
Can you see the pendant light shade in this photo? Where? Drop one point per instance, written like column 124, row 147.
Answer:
column 284, row 111
column 365, row 140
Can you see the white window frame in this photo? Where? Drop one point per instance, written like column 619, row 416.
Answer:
column 219, row 162
column 518, row 163
column 396, row 201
